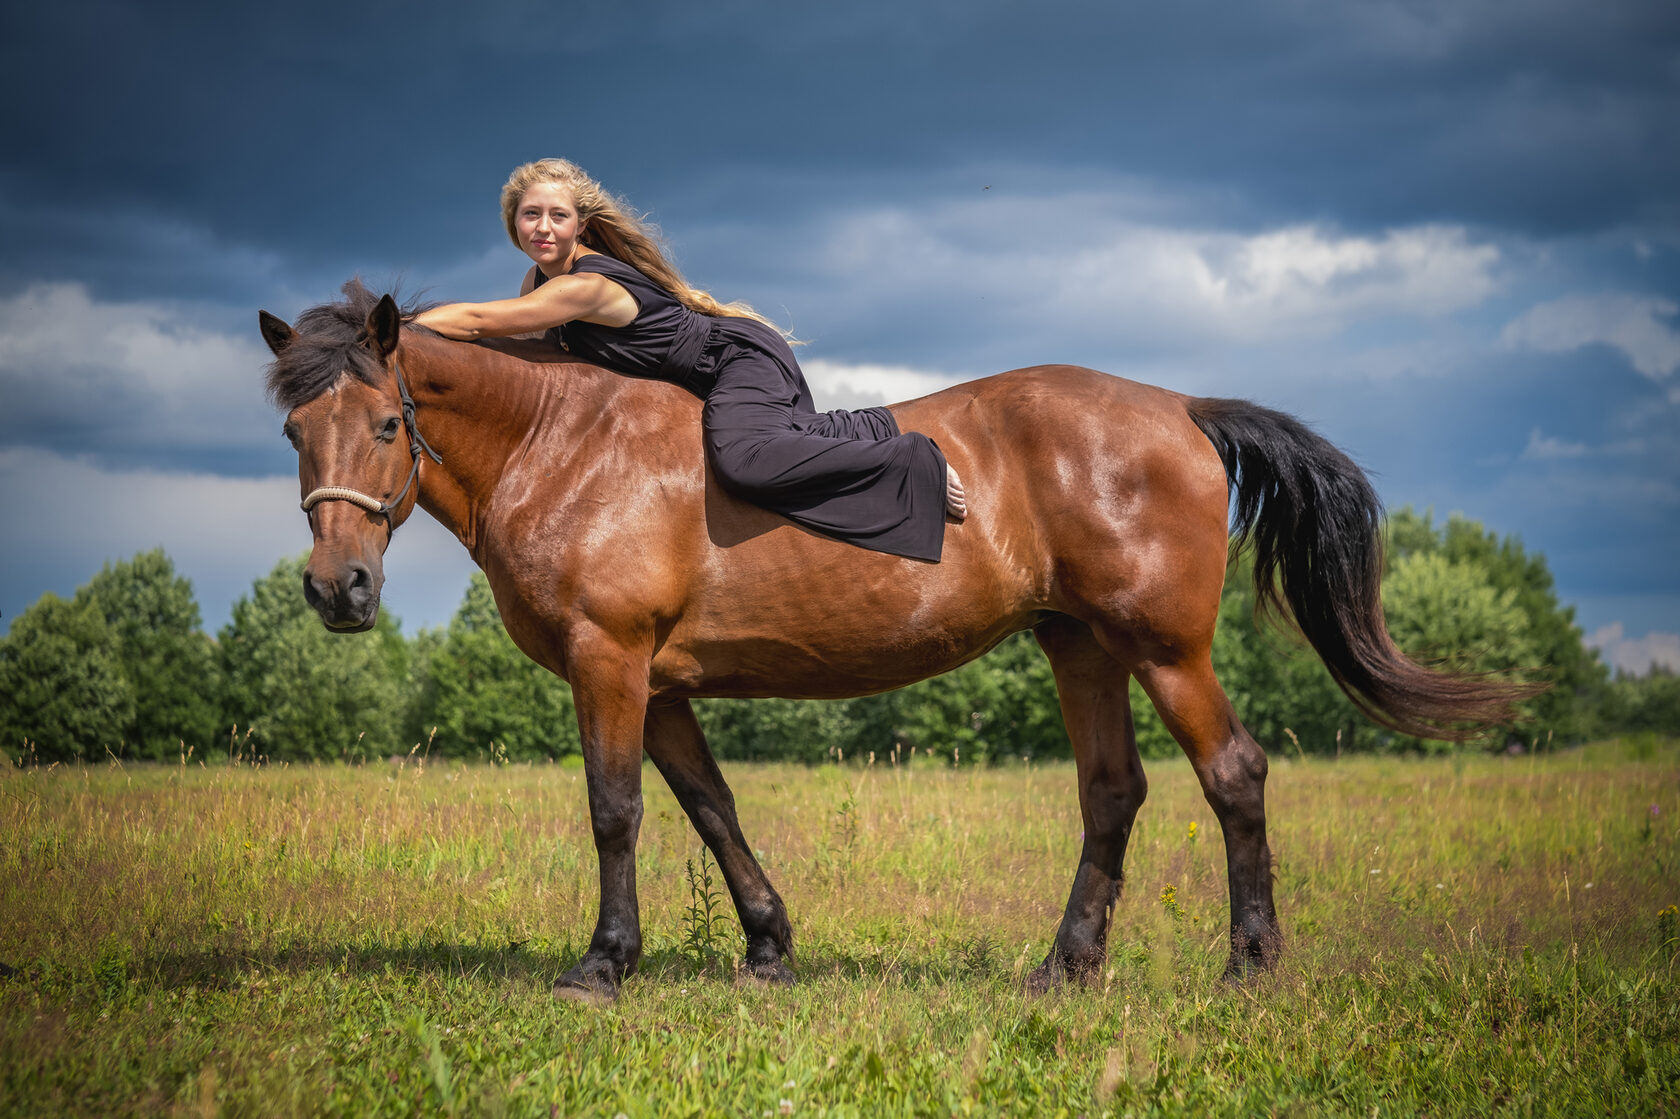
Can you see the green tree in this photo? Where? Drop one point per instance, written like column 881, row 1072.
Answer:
column 1568, row 711
column 1450, row 614
column 801, row 730
column 303, row 692
column 1645, row 704
column 169, row 662
column 999, row 707
column 486, row 697
column 62, row 686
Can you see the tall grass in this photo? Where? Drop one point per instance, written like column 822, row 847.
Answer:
column 1464, row 936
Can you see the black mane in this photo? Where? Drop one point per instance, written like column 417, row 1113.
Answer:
column 330, row 341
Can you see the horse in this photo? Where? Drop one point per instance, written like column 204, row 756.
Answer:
column 1101, row 516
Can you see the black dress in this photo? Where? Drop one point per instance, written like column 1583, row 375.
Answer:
column 850, row 475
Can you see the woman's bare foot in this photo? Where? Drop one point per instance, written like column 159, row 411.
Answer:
column 956, row 505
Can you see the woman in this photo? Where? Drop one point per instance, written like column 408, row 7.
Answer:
column 601, row 281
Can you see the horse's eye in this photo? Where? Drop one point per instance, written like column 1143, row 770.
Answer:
column 290, row 431
column 389, row 431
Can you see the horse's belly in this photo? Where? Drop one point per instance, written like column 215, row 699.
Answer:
column 817, row 666
column 879, row 624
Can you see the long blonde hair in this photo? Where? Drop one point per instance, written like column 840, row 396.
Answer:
column 611, row 226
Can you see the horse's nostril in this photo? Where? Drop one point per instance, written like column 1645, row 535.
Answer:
column 359, row 577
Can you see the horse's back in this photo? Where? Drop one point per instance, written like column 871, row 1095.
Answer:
column 1060, row 446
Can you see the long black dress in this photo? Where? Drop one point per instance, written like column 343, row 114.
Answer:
column 850, row 475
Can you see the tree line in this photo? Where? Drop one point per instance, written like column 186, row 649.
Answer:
column 124, row 669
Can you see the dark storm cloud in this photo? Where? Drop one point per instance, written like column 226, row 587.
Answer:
column 377, row 131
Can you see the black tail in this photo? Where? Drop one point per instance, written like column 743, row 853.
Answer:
column 1315, row 525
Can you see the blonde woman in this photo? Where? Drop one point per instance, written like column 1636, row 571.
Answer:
column 600, row 282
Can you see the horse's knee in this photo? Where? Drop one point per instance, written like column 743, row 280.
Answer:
column 1234, row 779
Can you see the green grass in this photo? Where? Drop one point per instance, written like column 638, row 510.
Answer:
column 1465, row 936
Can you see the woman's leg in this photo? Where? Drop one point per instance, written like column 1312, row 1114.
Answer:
column 850, row 475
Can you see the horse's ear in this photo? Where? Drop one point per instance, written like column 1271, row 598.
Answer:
column 275, row 331
column 384, row 325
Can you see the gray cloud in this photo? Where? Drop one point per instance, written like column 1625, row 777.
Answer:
column 133, row 381
column 385, row 128
column 1635, row 655
column 222, row 533
column 1637, row 325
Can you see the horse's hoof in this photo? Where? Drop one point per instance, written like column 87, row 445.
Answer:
column 1244, row 968
column 587, row 994
column 1239, row 972
column 1047, row 978
column 587, row 985
column 1042, row 980
column 1059, row 971
column 770, row 973
column 1252, row 956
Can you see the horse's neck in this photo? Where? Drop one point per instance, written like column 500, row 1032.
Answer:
column 479, row 409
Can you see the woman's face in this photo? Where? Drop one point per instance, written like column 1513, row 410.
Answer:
column 547, row 223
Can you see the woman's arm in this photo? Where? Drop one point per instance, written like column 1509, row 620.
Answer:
column 587, row 296
column 526, row 288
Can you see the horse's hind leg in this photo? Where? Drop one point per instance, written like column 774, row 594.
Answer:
column 674, row 741
column 1232, row 769
column 1098, row 716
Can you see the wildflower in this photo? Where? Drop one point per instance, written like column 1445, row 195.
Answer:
column 784, row 1107
column 1191, row 834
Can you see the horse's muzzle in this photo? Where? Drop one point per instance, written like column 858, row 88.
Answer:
column 346, row 597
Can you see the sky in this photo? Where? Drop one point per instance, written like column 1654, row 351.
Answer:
column 1444, row 232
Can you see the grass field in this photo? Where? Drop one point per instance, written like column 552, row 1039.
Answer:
column 1467, row 936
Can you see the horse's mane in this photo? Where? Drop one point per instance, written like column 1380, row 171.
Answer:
column 331, row 340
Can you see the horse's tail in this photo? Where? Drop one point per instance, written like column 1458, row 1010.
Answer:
column 1315, row 525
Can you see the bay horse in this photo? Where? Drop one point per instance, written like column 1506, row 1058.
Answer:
column 1098, row 517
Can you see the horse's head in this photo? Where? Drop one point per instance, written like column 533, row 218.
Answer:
column 345, row 417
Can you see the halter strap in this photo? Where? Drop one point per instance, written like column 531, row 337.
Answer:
column 416, row 444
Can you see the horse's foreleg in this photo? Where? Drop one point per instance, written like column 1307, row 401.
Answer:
column 1098, row 716
column 1232, row 769
column 610, row 690
column 677, row 746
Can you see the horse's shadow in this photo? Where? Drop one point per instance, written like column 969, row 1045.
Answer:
column 229, row 968
column 233, row 968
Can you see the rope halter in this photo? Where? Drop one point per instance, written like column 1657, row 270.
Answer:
column 416, row 444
